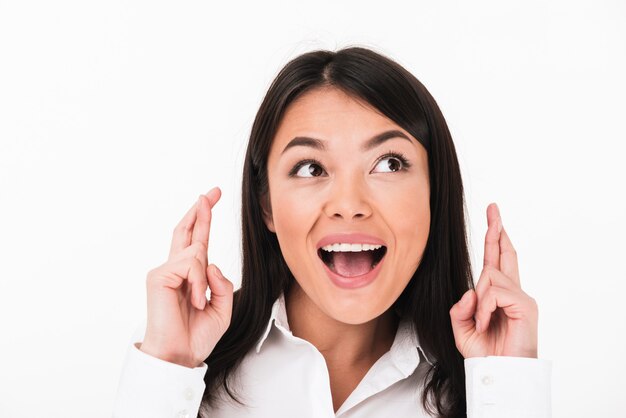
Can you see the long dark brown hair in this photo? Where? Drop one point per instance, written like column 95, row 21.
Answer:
column 444, row 273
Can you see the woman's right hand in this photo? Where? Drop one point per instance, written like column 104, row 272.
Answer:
column 182, row 327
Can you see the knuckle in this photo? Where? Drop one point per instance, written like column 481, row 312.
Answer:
column 176, row 256
column 454, row 309
column 479, row 283
column 483, row 281
column 180, row 228
column 200, row 256
column 229, row 288
column 199, row 250
column 484, row 273
column 199, row 246
column 153, row 274
column 194, row 262
column 488, row 296
column 150, row 278
column 481, row 309
column 154, row 279
column 512, row 253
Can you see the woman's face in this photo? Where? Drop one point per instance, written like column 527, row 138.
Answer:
column 341, row 173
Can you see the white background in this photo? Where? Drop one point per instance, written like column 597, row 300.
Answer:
column 115, row 115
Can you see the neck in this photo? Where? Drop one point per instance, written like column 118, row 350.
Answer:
column 348, row 345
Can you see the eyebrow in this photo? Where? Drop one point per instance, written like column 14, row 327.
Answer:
column 305, row 141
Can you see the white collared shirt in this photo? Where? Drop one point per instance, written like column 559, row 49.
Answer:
column 286, row 376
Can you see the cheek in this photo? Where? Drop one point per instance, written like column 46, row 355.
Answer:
column 293, row 215
column 408, row 216
column 414, row 220
column 416, row 235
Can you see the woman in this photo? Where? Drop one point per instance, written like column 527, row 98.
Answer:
column 357, row 296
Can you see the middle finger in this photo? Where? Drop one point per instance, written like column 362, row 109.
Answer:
column 492, row 238
column 493, row 277
column 181, row 238
column 508, row 257
column 202, row 226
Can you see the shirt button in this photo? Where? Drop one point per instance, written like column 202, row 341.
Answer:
column 182, row 414
column 487, row 380
column 188, row 394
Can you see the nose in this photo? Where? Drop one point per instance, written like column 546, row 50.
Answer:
column 348, row 199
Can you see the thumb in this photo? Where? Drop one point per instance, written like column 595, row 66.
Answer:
column 462, row 314
column 221, row 292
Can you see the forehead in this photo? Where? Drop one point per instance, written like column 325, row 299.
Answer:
column 328, row 112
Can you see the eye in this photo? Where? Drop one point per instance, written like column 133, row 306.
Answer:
column 390, row 163
column 307, row 168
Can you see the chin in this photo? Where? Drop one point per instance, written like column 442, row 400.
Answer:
column 355, row 310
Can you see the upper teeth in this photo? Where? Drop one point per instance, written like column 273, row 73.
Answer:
column 350, row 247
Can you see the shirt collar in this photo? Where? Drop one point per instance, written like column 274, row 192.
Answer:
column 401, row 350
column 278, row 317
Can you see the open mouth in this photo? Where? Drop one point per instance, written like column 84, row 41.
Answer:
column 351, row 260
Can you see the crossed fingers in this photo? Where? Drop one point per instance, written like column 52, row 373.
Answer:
column 190, row 240
column 195, row 226
column 499, row 251
column 499, row 282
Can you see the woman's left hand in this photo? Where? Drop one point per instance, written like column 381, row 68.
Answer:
column 498, row 318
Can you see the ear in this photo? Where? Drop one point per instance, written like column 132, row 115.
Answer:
column 266, row 207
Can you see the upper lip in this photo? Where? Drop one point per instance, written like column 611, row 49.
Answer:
column 349, row 238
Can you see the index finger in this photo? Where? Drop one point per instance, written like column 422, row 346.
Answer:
column 492, row 238
column 202, row 227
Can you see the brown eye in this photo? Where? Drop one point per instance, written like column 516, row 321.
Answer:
column 394, row 164
column 388, row 165
column 309, row 170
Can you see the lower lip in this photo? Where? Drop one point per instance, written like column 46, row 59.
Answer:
column 356, row 281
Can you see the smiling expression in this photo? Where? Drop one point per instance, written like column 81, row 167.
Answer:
column 349, row 203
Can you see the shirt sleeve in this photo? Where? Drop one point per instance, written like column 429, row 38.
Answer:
column 499, row 386
column 151, row 387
